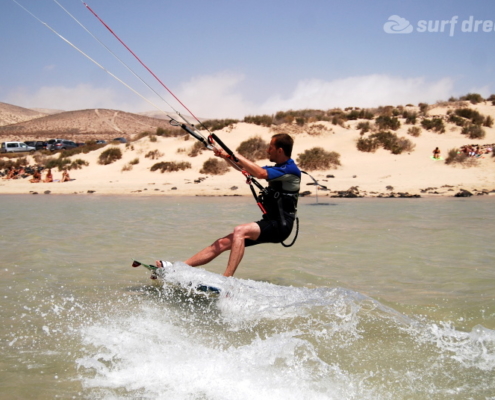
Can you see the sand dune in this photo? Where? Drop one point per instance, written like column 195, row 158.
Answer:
column 373, row 173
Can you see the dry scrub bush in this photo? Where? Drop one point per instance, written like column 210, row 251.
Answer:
column 473, row 131
column 318, row 158
column 109, row 156
column 196, row 149
column 253, row 149
column 8, row 161
column 387, row 140
column 290, row 129
column 62, row 163
column 170, row 166
column 218, row 124
column 153, row 154
column 364, row 127
column 457, row 157
column 88, row 147
column 130, row 164
column 414, row 131
column 262, row 120
column 435, row 125
column 214, row 166
column 386, row 122
column 317, row 129
column 368, row 145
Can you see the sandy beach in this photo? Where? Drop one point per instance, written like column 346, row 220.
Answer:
column 374, row 174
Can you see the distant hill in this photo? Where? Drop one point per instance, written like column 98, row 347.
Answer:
column 79, row 125
column 48, row 111
column 10, row 114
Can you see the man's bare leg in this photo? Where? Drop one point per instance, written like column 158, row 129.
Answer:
column 233, row 242
column 241, row 232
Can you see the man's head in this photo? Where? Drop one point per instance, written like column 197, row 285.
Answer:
column 280, row 148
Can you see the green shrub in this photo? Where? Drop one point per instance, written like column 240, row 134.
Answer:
column 218, row 124
column 353, row 115
column 459, row 121
column 109, row 156
column 474, row 98
column 214, row 166
column 435, row 124
column 253, row 149
column 386, row 122
column 170, row 166
column 368, row 145
column 318, row 159
column 60, row 163
column 262, row 120
column 473, row 131
column 388, row 140
column 492, row 99
column 364, row 127
column 468, row 113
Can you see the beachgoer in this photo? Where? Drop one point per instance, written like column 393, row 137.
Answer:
column 284, row 180
column 10, row 173
column 49, row 176
column 36, row 177
column 65, row 176
column 436, row 153
column 19, row 173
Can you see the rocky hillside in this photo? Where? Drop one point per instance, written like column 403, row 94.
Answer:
column 78, row 125
column 10, row 114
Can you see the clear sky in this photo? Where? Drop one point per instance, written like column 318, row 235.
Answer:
column 231, row 58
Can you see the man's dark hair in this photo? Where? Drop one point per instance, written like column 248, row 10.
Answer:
column 284, row 141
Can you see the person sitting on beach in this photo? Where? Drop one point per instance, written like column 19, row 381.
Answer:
column 11, row 173
column 36, row 177
column 65, row 176
column 19, row 173
column 436, row 153
column 49, row 176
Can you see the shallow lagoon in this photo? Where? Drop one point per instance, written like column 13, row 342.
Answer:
column 378, row 299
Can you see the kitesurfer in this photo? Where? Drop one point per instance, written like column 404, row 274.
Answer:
column 279, row 201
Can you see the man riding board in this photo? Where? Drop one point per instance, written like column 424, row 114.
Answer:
column 280, row 203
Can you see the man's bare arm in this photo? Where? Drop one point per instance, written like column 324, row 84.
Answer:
column 249, row 166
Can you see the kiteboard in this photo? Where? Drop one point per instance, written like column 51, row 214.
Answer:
column 154, row 275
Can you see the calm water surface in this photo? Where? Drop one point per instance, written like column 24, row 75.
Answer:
column 378, row 299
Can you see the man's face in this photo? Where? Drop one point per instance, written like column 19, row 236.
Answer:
column 273, row 151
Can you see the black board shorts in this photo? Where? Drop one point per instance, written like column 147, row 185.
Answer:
column 271, row 232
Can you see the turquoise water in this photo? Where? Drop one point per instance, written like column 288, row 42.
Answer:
column 378, row 299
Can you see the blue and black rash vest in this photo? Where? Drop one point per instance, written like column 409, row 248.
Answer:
column 285, row 179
